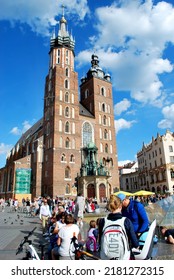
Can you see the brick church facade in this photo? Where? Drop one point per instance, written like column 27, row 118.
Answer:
column 73, row 147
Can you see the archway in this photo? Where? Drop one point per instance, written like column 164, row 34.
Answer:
column 102, row 192
column 91, row 191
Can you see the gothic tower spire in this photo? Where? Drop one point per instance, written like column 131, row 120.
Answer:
column 64, row 38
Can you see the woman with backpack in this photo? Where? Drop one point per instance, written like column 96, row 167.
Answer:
column 116, row 233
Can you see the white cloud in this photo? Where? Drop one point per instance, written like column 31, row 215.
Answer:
column 16, row 131
column 4, row 149
column 121, row 106
column 123, row 124
column 124, row 162
column 19, row 131
column 168, row 121
column 130, row 42
column 40, row 14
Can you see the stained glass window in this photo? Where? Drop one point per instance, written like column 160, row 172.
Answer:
column 87, row 134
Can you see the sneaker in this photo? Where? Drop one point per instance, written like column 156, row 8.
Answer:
column 47, row 238
column 45, row 234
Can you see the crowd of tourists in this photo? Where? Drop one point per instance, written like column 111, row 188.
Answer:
column 62, row 218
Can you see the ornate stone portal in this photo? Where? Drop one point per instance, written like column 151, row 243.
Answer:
column 93, row 180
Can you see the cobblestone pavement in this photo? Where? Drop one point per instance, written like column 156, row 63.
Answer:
column 14, row 226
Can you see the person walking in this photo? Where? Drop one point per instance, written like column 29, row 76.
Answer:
column 79, row 209
column 44, row 216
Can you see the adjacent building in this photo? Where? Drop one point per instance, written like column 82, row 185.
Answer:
column 156, row 164
column 154, row 169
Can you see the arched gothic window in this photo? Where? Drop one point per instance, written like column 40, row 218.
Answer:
column 103, row 91
column 63, row 157
column 105, row 134
column 67, row 72
column 66, row 84
column 67, row 127
column 87, row 134
column 67, row 143
column 71, row 158
column 67, row 97
column 67, row 112
column 86, row 93
column 67, row 173
column 103, row 107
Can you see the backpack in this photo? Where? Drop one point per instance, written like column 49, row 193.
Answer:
column 114, row 240
column 91, row 244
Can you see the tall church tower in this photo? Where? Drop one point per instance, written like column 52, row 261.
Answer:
column 77, row 134
column 96, row 97
column 61, row 116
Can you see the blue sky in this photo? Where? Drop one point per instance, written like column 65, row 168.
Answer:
column 134, row 41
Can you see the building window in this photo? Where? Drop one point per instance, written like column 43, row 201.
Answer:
column 103, row 91
column 104, row 120
column 67, row 112
column 72, row 158
column 106, row 148
column 105, row 134
column 63, row 157
column 172, row 159
column 67, row 127
column 67, row 97
column 86, row 93
column 87, row 134
column 170, row 149
column 67, row 173
column 67, row 72
column 66, row 84
column 58, row 56
column 103, row 107
column 67, row 58
column 67, row 143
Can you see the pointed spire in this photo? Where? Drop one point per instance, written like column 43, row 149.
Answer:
column 63, row 35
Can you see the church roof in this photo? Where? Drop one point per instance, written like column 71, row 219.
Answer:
column 84, row 112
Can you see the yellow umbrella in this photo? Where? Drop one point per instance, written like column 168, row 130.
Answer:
column 143, row 192
column 125, row 193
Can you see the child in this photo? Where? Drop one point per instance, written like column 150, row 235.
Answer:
column 91, row 242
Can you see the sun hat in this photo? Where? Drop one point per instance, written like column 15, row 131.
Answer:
column 121, row 196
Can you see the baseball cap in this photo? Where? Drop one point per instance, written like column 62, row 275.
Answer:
column 121, row 196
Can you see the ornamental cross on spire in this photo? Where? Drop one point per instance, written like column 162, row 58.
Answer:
column 63, row 8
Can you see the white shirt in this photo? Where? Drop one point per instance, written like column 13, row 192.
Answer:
column 66, row 233
column 45, row 211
